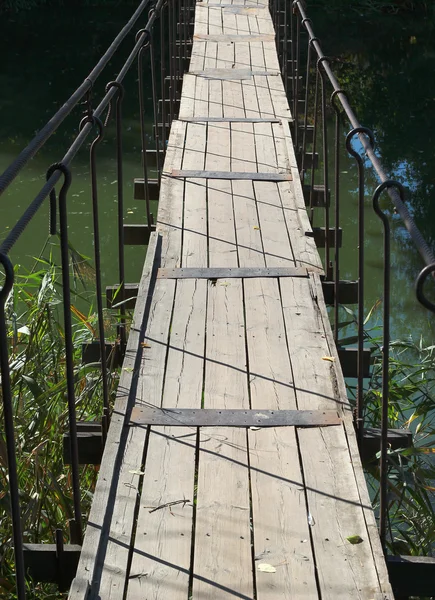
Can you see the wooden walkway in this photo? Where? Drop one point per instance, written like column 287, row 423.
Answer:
column 213, row 512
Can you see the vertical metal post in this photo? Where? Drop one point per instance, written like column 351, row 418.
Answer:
column 296, row 72
column 121, row 261
column 383, row 510
column 171, row 60
column 328, row 266
column 284, row 69
column 9, row 430
column 337, row 213
column 313, row 152
column 360, row 369
column 292, row 50
column 142, row 127
column 163, row 73
column 156, row 118
column 97, row 256
column 304, row 135
column 76, row 526
column 179, row 38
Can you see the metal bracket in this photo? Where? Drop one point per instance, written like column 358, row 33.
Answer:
column 203, row 417
column 231, row 273
column 45, row 564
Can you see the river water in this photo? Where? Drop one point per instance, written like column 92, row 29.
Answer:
column 384, row 63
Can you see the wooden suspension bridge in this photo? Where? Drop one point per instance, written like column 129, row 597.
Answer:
column 231, row 468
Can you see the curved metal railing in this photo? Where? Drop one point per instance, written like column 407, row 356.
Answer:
column 162, row 76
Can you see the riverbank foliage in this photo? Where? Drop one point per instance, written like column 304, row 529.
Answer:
column 38, row 378
column 411, row 474
column 421, row 6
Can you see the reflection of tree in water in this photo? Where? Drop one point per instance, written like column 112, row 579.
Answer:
column 385, row 64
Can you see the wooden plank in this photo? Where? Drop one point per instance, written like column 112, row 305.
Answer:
column 187, row 102
column 243, row 156
column 225, row 56
column 263, row 95
column 201, row 97
column 232, row 97
column 229, row 23
column 210, row 55
column 296, row 214
column 361, row 484
column 265, row 148
column 103, row 560
column 222, row 562
column 163, row 537
column 170, row 467
column 197, row 58
column 276, row 480
column 279, row 98
column 333, row 502
column 276, row 239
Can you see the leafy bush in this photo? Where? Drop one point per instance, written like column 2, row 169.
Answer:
column 38, row 378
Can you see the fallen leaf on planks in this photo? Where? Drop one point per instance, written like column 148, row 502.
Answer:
column 266, row 568
column 330, row 358
column 145, row 345
column 354, row 539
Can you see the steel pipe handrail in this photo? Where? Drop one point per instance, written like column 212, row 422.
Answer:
column 422, row 246
column 8, row 176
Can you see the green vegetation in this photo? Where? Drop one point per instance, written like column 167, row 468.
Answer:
column 411, row 477
column 37, row 360
column 374, row 6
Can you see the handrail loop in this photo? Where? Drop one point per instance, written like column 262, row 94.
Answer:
column 383, row 511
column 419, row 285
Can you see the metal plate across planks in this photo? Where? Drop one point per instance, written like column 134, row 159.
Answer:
column 231, row 273
column 232, row 175
column 232, row 74
column 190, row 417
column 227, row 120
column 233, row 38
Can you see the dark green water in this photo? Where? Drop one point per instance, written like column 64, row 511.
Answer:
column 46, row 54
column 385, row 63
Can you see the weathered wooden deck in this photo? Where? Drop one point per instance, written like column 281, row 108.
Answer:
column 188, row 512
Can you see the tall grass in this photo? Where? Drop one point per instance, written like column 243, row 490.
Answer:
column 411, row 476
column 37, row 363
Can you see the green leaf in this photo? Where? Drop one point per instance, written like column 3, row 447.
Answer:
column 354, row 539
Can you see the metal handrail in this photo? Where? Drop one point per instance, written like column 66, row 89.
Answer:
column 111, row 100
column 298, row 19
column 422, row 246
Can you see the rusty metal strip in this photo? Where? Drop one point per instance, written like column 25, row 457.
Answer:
column 230, row 175
column 234, row 38
column 236, row 9
column 206, row 417
column 227, row 120
column 232, row 73
column 231, row 273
